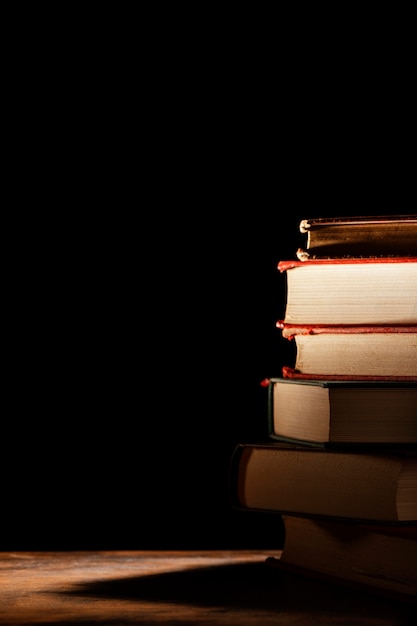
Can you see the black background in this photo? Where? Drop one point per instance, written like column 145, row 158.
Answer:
column 139, row 341
column 148, row 207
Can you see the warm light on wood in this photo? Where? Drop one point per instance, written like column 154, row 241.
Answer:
column 233, row 588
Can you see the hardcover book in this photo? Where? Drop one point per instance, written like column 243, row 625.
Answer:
column 351, row 352
column 374, row 557
column 316, row 482
column 351, row 291
column 336, row 412
column 360, row 236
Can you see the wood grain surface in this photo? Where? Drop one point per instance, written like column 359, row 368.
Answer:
column 172, row 588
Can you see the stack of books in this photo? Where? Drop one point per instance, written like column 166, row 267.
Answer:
column 340, row 462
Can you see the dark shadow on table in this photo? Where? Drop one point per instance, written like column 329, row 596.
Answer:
column 253, row 586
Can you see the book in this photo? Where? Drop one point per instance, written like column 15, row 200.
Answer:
column 332, row 412
column 351, row 352
column 351, row 291
column 365, row 485
column 373, row 557
column 359, row 236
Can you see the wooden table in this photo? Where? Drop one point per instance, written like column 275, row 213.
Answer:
column 174, row 588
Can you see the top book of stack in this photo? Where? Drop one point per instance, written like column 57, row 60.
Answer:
column 359, row 237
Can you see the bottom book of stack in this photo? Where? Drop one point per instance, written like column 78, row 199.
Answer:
column 379, row 558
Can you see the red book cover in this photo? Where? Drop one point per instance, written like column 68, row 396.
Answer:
column 371, row 291
column 286, row 265
column 352, row 352
column 291, row 373
column 290, row 330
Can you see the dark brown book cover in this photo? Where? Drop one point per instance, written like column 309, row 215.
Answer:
column 362, row 485
column 359, row 236
column 380, row 558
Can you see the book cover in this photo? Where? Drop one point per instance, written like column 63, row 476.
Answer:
column 342, row 412
column 373, row 291
column 315, row 482
column 354, row 352
column 380, row 558
column 358, row 236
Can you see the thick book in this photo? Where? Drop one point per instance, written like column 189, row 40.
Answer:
column 334, row 412
column 381, row 558
column 351, row 352
column 365, row 485
column 358, row 236
column 351, row 291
